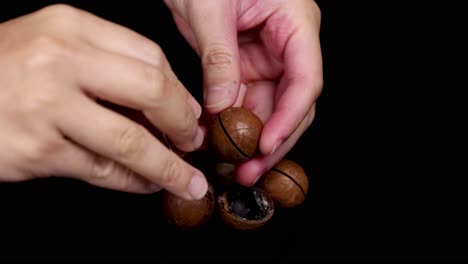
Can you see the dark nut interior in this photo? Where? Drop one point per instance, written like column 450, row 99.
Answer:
column 244, row 208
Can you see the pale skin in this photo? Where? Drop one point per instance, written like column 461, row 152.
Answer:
column 56, row 62
column 263, row 55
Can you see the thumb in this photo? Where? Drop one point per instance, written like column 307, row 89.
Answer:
column 214, row 24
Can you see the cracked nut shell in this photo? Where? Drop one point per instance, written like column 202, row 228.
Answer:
column 245, row 209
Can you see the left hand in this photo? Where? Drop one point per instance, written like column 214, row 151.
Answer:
column 262, row 55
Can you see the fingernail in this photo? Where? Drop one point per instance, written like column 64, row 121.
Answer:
column 275, row 147
column 217, row 97
column 195, row 106
column 154, row 187
column 198, row 187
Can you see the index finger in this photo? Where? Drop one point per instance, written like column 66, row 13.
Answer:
column 117, row 138
column 109, row 36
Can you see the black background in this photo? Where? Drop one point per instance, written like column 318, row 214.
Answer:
column 381, row 155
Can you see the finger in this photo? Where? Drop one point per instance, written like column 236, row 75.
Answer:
column 117, row 138
column 240, row 96
column 215, row 30
column 179, row 13
column 298, row 89
column 206, row 118
column 111, row 36
column 97, row 32
column 79, row 163
column 249, row 172
column 161, row 96
column 259, row 99
column 186, row 31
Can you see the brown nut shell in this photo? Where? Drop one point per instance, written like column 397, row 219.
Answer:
column 286, row 183
column 234, row 135
column 188, row 214
column 243, row 217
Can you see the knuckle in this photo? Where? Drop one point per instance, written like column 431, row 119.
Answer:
column 38, row 151
column 218, row 57
column 158, row 85
column 62, row 15
column 58, row 9
column 154, row 53
column 102, row 169
column 189, row 126
column 171, row 172
column 130, row 143
column 40, row 102
column 47, row 53
column 110, row 173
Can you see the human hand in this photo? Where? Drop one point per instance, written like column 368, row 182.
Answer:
column 261, row 55
column 57, row 63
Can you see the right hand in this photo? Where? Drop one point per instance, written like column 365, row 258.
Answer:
column 56, row 64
